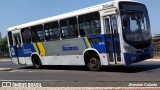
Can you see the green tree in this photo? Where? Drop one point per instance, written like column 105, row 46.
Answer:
column 4, row 46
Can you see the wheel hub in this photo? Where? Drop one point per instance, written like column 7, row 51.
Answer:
column 93, row 62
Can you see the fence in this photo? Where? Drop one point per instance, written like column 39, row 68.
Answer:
column 156, row 49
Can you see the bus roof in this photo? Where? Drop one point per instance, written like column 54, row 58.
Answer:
column 66, row 15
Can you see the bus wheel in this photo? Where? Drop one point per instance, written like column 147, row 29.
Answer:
column 36, row 62
column 94, row 64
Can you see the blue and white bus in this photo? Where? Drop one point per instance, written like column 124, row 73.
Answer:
column 109, row 34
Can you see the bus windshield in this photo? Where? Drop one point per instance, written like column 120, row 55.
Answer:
column 135, row 24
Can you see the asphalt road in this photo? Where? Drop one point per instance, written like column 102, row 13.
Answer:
column 144, row 71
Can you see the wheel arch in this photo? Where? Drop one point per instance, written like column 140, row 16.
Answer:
column 35, row 54
column 91, row 50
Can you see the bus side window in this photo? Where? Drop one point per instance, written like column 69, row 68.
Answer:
column 26, row 35
column 10, row 38
column 82, row 25
column 95, row 23
column 37, row 33
column 90, row 23
column 64, row 28
column 16, row 40
column 107, row 21
column 46, row 30
column 82, row 33
column 115, row 26
column 34, row 34
column 73, row 27
column 54, row 31
column 69, row 28
column 40, row 33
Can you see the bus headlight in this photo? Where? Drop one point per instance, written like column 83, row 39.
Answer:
column 126, row 48
column 129, row 49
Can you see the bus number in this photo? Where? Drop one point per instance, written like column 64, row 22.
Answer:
column 101, row 43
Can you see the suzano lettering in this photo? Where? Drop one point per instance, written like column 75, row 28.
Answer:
column 69, row 48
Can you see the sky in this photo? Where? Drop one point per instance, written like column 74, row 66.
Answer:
column 16, row 12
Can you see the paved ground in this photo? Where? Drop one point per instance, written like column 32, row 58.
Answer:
column 140, row 72
column 79, row 88
column 144, row 71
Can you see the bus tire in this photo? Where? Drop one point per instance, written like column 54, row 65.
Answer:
column 94, row 63
column 36, row 62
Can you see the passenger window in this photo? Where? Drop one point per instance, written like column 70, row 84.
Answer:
column 64, row 28
column 89, row 24
column 107, row 23
column 19, row 39
column 52, row 31
column 73, row 28
column 10, row 38
column 69, row 28
column 37, row 33
column 115, row 26
column 16, row 40
column 46, row 30
column 26, row 35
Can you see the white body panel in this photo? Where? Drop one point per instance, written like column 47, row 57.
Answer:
column 62, row 60
column 14, row 60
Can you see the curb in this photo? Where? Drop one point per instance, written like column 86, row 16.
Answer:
column 5, row 60
column 155, row 60
column 6, row 69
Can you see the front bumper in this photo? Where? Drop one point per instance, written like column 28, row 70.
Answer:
column 134, row 58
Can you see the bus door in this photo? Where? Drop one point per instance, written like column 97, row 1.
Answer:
column 18, row 48
column 113, row 40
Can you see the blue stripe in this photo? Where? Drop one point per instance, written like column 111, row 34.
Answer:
column 85, row 42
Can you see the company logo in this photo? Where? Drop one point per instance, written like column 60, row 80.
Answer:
column 12, row 51
column 69, row 48
column 6, row 84
column 20, row 84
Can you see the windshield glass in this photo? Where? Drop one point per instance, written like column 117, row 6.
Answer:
column 135, row 24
